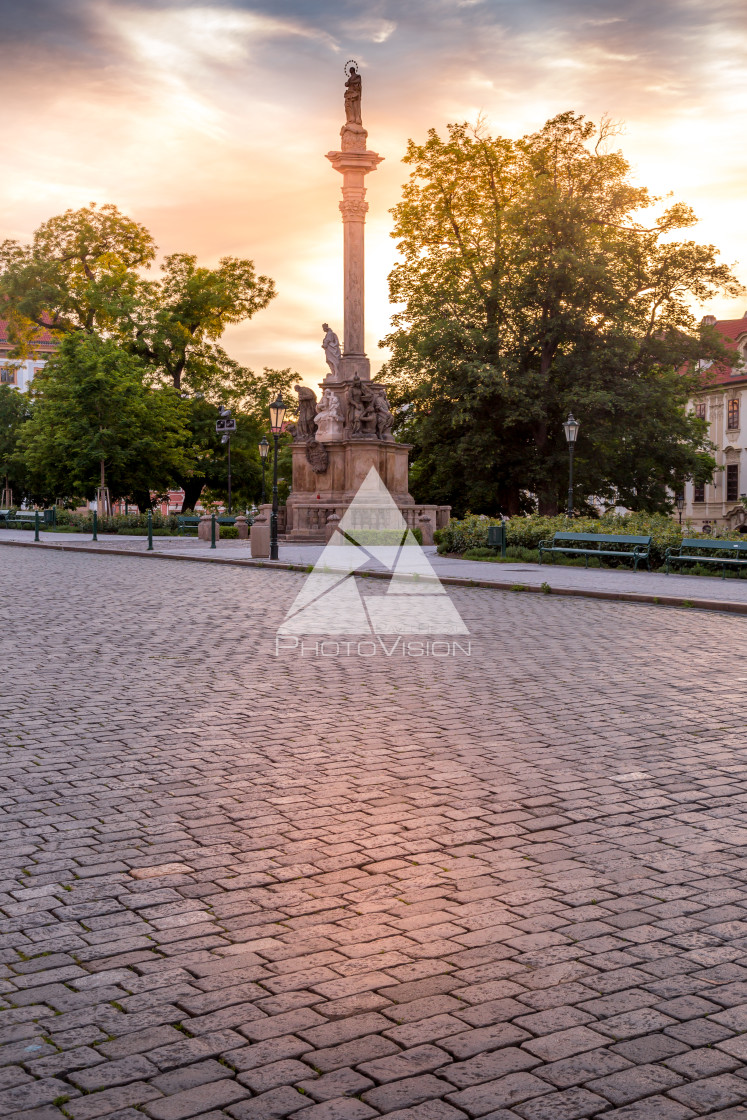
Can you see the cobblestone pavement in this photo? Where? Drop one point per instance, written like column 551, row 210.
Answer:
column 510, row 885
column 617, row 580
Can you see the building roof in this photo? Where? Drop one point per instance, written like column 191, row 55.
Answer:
column 733, row 332
column 45, row 338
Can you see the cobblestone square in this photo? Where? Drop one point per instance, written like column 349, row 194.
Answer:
column 509, row 885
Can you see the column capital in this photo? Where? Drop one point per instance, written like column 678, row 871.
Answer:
column 362, row 162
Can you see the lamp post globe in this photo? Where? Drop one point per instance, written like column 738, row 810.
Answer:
column 277, row 415
column 680, row 503
column 264, row 447
column 570, row 427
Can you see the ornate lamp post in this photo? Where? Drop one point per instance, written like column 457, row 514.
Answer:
column 570, row 427
column 264, row 447
column 680, row 503
column 277, row 414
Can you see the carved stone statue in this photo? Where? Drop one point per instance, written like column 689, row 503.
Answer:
column 331, row 347
column 353, row 89
column 317, row 456
column 384, row 418
column 328, row 419
column 305, row 428
column 368, row 415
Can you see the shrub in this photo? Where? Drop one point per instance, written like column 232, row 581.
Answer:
column 526, row 532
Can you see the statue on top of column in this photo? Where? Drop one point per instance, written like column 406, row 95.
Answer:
column 353, row 90
column 332, row 353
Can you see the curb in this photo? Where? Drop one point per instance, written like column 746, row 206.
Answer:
column 453, row 581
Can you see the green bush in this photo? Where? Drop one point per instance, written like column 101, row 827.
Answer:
column 526, row 532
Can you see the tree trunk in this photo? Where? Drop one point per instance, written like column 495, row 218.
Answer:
column 192, row 489
column 142, row 500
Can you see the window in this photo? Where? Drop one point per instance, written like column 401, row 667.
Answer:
column 699, row 492
column 733, row 414
column 700, row 410
column 732, row 483
column 7, row 376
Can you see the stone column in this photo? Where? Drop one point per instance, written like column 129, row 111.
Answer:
column 354, row 162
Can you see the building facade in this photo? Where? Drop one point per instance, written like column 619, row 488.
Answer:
column 19, row 372
column 723, row 403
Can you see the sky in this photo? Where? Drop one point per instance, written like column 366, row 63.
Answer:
column 209, row 123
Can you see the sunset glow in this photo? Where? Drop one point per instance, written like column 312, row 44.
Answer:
column 210, row 123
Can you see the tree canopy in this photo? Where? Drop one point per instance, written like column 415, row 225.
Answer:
column 92, row 405
column 530, row 286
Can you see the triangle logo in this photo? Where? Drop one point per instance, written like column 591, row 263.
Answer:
column 373, row 533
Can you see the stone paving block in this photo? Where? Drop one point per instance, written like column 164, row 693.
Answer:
column 278, row 1102
column 109, row 1100
column 712, row 1092
column 285, row 1072
column 106, row 1075
column 633, row 1084
column 434, row 1110
column 502, row 1093
column 187, row 1050
column 652, row 1108
column 571, row 1104
column 352, row 1053
column 32, row 1094
column 486, row 1067
column 420, row 1059
column 261, row 1053
column 341, row 1109
column 191, row 1102
column 340, row 1083
column 189, row 1076
column 405, row 1093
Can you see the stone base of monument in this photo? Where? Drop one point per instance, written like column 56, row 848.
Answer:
column 316, row 497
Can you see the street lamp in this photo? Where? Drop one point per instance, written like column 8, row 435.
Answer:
column 680, row 503
column 277, row 414
column 264, row 447
column 570, row 427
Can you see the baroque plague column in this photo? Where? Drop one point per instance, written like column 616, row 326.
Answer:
column 340, row 437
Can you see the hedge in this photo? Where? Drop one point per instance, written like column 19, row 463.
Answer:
column 527, row 532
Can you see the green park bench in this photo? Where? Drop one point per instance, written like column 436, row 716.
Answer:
column 183, row 523
column 4, row 515
column 697, row 551
column 593, row 544
column 193, row 523
column 28, row 517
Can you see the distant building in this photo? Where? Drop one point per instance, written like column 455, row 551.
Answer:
column 20, row 372
column 723, row 403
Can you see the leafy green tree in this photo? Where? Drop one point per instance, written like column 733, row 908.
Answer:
column 176, row 325
column 249, row 402
column 95, row 418
column 530, row 286
column 14, row 412
column 84, row 272
column 80, row 273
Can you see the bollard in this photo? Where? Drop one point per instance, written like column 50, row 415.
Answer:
column 95, row 525
column 212, row 531
column 150, row 531
column 36, row 525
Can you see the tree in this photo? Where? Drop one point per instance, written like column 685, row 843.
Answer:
column 14, row 411
column 249, row 402
column 176, row 325
column 80, row 273
column 530, row 287
column 94, row 414
column 83, row 272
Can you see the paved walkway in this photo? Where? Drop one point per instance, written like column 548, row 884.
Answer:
column 507, row 886
column 614, row 580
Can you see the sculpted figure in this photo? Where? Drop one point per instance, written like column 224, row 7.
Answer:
column 384, row 418
column 306, row 411
column 331, row 347
column 355, row 406
column 368, row 415
column 328, row 417
column 353, row 88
